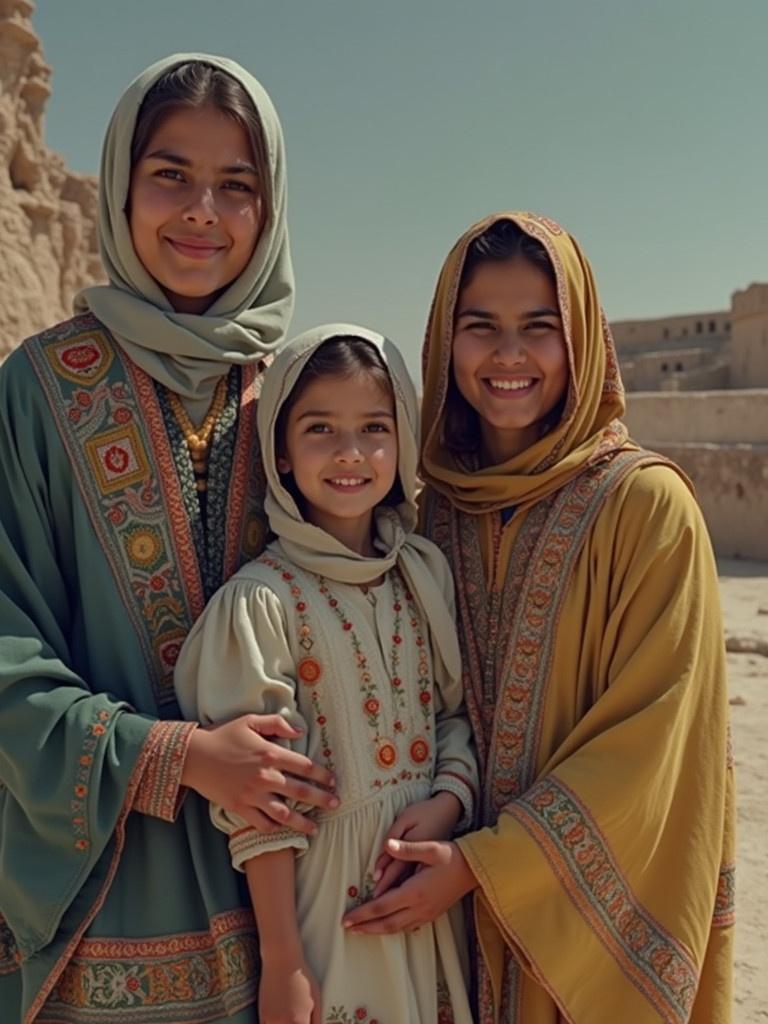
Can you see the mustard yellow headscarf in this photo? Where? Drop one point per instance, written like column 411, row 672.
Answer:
column 590, row 426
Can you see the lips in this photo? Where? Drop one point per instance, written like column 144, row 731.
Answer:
column 347, row 484
column 510, row 387
column 195, row 248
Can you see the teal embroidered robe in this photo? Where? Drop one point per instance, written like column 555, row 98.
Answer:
column 115, row 905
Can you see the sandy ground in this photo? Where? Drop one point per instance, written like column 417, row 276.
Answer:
column 744, row 589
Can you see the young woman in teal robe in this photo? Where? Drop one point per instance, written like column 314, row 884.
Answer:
column 131, row 489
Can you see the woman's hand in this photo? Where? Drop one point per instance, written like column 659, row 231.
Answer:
column 233, row 765
column 288, row 993
column 435, row 818
column 442, row 878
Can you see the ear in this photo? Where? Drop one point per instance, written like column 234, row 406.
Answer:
column 283, row 464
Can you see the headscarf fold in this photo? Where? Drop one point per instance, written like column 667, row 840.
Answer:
column 589, row 428
column 312, row 548
column 188, row 352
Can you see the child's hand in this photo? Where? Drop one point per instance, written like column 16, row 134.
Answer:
column 430, row 819
column 288, row 993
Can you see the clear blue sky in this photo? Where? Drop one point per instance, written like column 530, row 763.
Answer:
column 642, row 125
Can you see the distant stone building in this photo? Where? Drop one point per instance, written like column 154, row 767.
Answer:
column 47, row 213
column 698, row 393
column 699, row 351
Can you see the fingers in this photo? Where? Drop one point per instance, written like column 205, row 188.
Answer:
column 284, row 760
column 423, row 852
column 406, row 920
column 391, row 875
column 257, row 820
column 306, row 793
column 382, row 863
column 382, row 906
column 273, row 725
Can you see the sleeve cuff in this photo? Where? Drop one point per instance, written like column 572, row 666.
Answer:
column 247, row 843
column 159, row 792
column 463, row 790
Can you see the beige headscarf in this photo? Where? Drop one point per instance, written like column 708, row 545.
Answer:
column 317, row 551
column 590, row 427
column 185, row 351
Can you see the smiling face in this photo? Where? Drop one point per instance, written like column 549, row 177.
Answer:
column 195, row 210
column 340, row 444
column 509, row 357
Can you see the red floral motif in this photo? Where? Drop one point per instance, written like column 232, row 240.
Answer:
column 425, row 697
column 98, row 730
column 419, row 751
column 116, row 459
column 371, row 706
column 122, row 415
column 170, row 653
column 386, row 755
column 157, row 583
column 74, row 415
column 84, row 399
column 116, row 515
column 309, row 670
column 80, row 357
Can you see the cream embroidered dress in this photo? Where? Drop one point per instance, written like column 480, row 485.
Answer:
column 371, row 675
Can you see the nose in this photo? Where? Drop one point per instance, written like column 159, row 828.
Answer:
column 201, row 208
column 348, row 449
column 510, row 350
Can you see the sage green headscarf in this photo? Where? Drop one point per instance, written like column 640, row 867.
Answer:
column 310, row 546
column 184, row 351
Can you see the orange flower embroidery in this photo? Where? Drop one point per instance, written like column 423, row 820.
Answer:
column 419, row 751
column 386, row 755
column 309, row 670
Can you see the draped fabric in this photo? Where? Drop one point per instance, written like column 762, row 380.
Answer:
column 590, row 426
column 594, row 671
column 317, row 551
column 190, row 352
column 110, row 883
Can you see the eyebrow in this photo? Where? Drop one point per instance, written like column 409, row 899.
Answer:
column 181, row 161
column 484, row 314
column 328, row 414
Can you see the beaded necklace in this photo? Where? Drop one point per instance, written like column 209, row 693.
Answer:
column 198, row 439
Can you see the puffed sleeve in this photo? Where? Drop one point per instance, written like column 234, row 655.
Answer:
column 237, row 660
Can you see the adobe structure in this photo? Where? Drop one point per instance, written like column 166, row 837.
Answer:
column 47, row 212
column 698, row 393
column 698, row 351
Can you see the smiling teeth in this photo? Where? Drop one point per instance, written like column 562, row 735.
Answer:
column 348, row 481
column 511, row 385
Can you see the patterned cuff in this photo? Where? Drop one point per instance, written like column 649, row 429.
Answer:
column 463, row 790
column 159, row 792
column 247, row 843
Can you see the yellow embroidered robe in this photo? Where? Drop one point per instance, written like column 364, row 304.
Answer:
column 595, row 678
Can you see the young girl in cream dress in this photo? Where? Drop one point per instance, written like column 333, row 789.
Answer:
column 344, row 626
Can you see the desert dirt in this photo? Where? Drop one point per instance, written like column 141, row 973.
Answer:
column 744, row 592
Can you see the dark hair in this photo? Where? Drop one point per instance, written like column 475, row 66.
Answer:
column 343, row 357
column 195, row 85
column 503, row 240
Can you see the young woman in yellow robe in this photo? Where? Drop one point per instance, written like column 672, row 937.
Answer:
column 601, row 866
